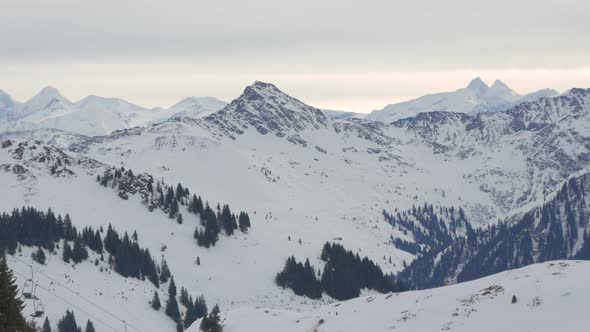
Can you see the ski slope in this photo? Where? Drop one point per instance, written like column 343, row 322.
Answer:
column 549, row 297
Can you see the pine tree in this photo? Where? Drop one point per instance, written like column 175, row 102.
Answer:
column 173, row 209
column 244, row 222
column 39, row 256
column 184, row 297
column 172, row 288
column 211, row 323
column 164, row 272
column 68, row 323
column 11, row 318
column 200, row 307
column 179, row 219
column 89, row 327
column 172, row 309
column 46, row 325
column 67, row 252
column 156, row 301
column 79, row 253
column 179, row 191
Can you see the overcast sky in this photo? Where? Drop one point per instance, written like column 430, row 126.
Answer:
column 354, row 55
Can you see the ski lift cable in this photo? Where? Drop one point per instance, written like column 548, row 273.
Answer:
column 78, row 294
column 71, row 304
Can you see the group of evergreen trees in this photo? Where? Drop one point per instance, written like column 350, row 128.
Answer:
column 31, row 227
column 128, row 258
column 344, row 275
column 556, row 230
column 68, row 324
column 212, row 322
column 195, row 309
column 301, row 278
column 158, row 195
column 212, row 223
column 432, row 228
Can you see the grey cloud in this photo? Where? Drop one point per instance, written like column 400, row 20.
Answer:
column 383, row 33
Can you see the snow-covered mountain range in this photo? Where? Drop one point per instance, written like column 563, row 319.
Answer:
column 304, row 179
column 92, row 115
column 477, row 97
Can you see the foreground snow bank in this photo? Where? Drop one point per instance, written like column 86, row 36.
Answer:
column 549, row 297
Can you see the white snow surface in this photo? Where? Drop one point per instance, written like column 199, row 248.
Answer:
column 549, row 297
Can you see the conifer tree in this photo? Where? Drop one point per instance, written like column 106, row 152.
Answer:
column 172, row 309
column 39, row 256
column 11, row 317
column 79, row 253
column 89, row 327
column 68, row 323
column 200, row 307
column 184, row 297
column 244, row 222
column 164, row 271
column 46, row 326
column 173, row 208
column 67, row 252
column 156, row 301
column 179, row 191
column 172, row 288
column 212, row 322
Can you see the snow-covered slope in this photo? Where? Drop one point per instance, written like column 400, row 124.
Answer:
column 549, row 297
column 300, row 176
column 475, row 98
column 193, row 107
column 93, row 115
column 341, row 114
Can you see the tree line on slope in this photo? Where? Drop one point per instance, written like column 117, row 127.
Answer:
column 559, row 229
column 30, row 227
column 343, row 277
column 158, row 195
column 432, row 228
column 67, row 324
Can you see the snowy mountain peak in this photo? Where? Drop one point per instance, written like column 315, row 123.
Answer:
column 45, row 96
column 499, row 88
column 259, row 90
column 5, row 100
column 478, row 85
column 268, row 109
column 48, row 102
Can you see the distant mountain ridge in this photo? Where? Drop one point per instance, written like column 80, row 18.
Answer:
column 92, row 115
column 477, row 97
